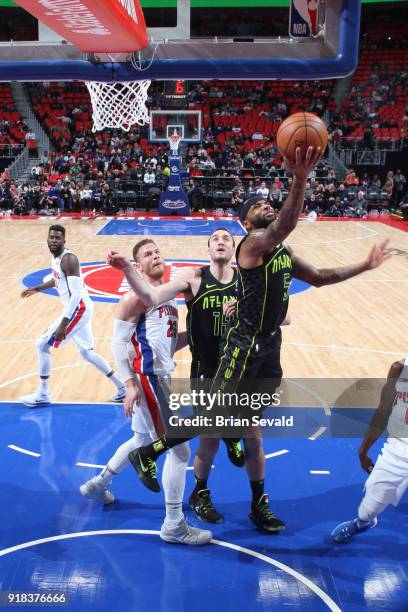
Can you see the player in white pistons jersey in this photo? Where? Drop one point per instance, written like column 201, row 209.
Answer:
column 73, row 324
column 388, row 478
column 144, row 341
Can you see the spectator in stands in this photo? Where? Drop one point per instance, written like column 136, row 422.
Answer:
column 86, row 197
column 250, row 189
column 263, row 191
column 360, row 204
column 44, row 204
column 342, row 193
column 404, row 207
column 351, row 179
column 195, row 196
column 149, row 178
column 275, row 195
column 237, row 197
column 375, row 181
column 388, row 187
column 399, row 183
column 330, row 178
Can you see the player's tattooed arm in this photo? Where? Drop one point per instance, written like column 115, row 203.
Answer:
column 380, row 417
column 319, row 277
column 182, row 340
column 275, row 233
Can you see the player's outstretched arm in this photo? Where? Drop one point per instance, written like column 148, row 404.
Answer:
column 259, row 242
column 380, row 418
column 182, row 340
column 319, row 277
column 32, row 290
column 151, row 296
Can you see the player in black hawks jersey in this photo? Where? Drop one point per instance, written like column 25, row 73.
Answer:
column 250, row 357
column 210, row 294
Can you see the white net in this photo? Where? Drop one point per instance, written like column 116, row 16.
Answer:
column 118, row 105
column 174, row 141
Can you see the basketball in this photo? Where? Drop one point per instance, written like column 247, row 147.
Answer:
column 301, row 130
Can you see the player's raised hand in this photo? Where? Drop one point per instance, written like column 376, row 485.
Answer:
column 116, row 260
column 378, row 254
column 302, row 166
column 27, row 293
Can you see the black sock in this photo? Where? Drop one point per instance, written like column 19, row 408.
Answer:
column 200, row 484
column 258, row 489
column 160, row 446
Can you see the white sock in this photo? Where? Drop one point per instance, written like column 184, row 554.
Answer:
column 106, row 476
column 120, row 459
column 174, row 514
column 116, row 381
column 99, row 362
column 44, row 357
column 44, row 387
column 174, row 481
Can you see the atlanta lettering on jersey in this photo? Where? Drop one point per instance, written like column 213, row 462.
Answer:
column 216, row 301
column 281, row 263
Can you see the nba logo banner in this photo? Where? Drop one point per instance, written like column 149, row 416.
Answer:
column 304, row 21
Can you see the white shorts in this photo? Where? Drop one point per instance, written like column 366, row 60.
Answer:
column 151, row 414
column 79, row 329
column 388, row 481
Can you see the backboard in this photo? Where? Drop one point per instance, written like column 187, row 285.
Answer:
column 204, row 39
column 186, row 124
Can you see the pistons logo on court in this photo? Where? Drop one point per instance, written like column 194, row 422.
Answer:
column 105, row 284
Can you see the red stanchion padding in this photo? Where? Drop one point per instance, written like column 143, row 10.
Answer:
column 102, row 26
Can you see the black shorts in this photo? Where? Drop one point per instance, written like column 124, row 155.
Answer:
column 241, row 385
column 242, row 366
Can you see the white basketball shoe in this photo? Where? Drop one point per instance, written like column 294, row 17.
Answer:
column 93, row 489
column 119, row 395
column 36, row 399
column 183, row 533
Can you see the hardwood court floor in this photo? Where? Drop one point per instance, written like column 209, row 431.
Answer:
column 356, row 329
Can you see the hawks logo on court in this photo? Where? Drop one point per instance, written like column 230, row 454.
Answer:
column 105, row 284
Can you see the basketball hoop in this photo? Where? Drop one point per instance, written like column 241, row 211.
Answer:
column 118, row 105
column 174, row 140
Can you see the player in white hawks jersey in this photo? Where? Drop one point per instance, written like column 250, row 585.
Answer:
column 74, row 323
column 388, row 478
column 144, row 341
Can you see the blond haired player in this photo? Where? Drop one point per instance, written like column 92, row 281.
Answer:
column 144, row 341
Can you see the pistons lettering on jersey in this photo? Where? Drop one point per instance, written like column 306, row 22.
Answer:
column 402, row 396
column 167, row 311
column 55, row 274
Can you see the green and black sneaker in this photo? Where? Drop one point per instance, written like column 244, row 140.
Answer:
column 146, row 469
column 201, row 503
column 262, row 516
column 235, row 452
